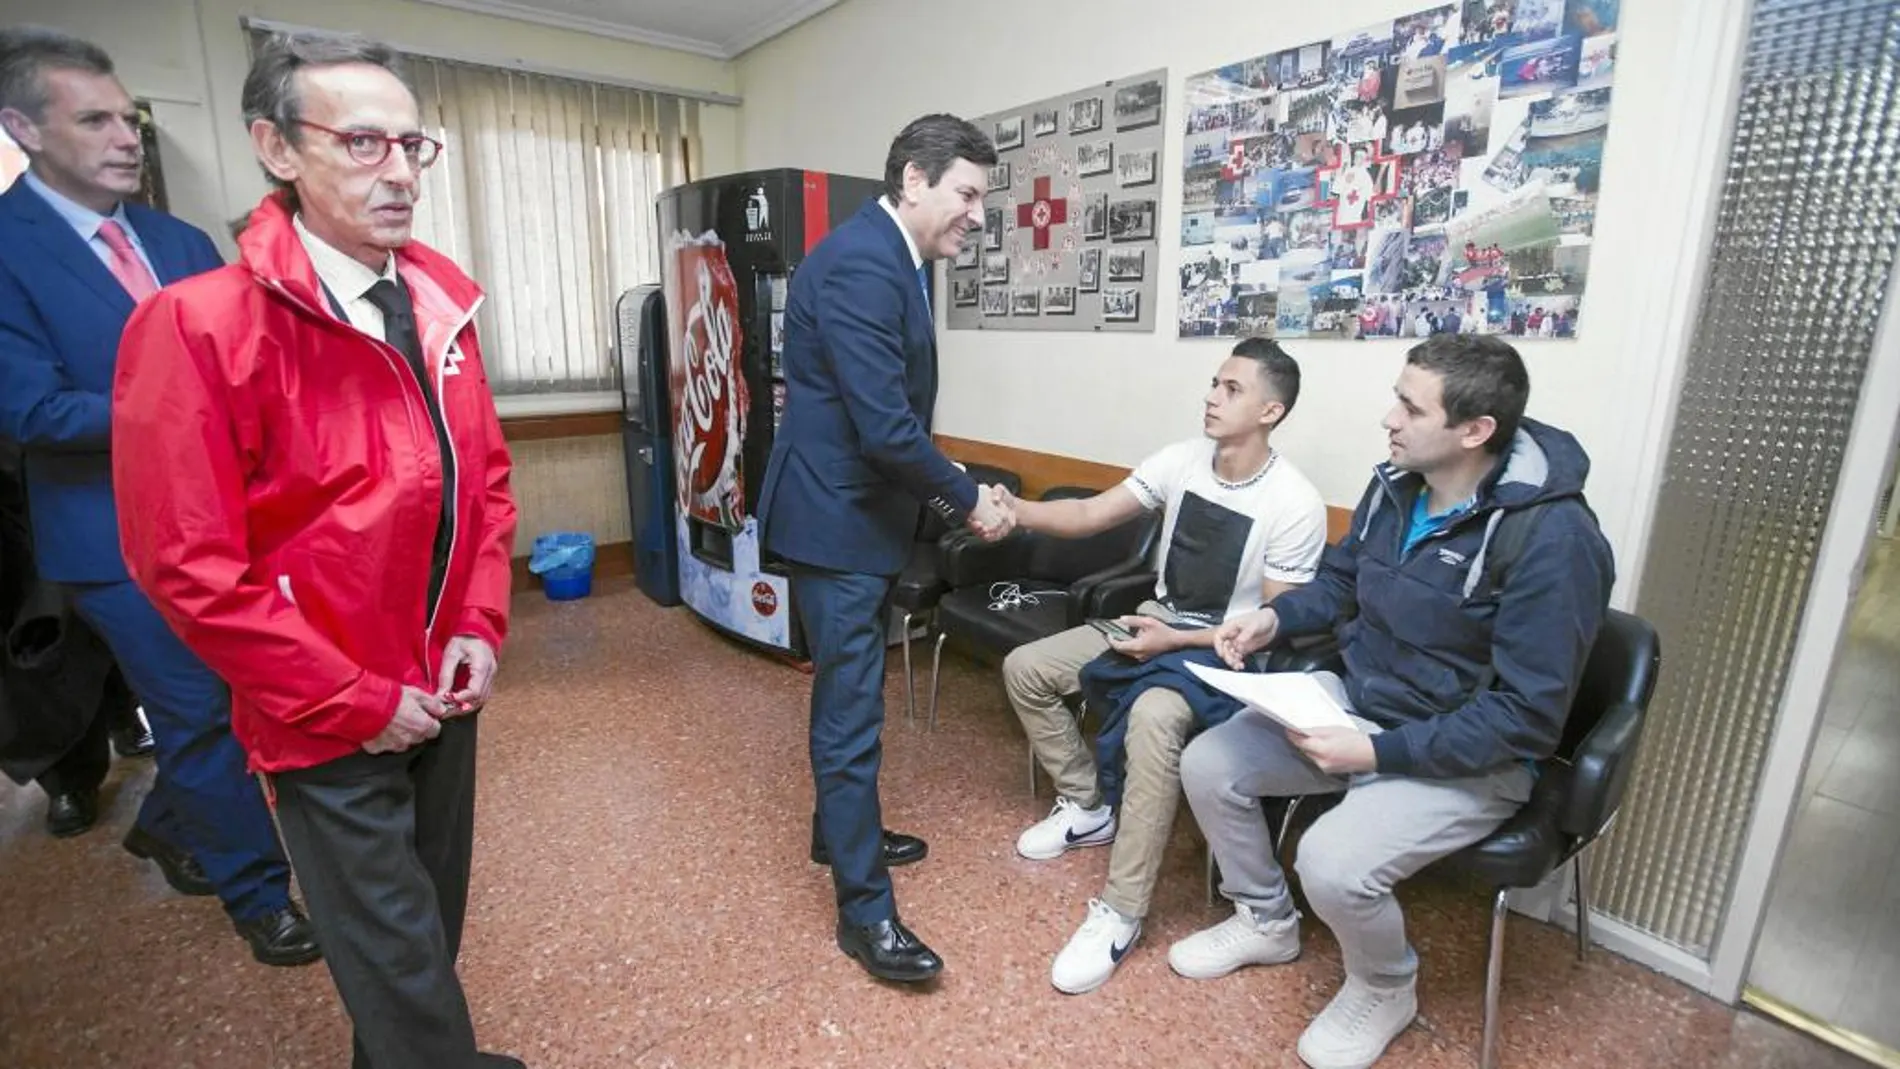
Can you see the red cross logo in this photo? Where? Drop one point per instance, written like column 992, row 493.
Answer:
column 1042, row 213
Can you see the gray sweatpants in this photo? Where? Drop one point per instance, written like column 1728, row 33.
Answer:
column 1384, row 830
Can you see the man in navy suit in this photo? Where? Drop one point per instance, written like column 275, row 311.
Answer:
column 78, row 258
column 851, row 464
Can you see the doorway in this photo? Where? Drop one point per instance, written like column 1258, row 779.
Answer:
column 1828, row 956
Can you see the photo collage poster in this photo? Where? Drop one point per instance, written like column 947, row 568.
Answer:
column 1069, row 237
column 1434, row 173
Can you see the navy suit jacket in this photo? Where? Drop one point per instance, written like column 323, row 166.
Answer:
column 853, row 458
column 61, row 314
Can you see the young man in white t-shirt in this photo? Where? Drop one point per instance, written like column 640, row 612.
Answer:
column 1242, row 525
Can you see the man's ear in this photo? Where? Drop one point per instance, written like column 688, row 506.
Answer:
column 275, row 151
column 24, row 131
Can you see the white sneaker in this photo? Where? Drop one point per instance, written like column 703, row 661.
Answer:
column 1094, row 950
column 1235, row 942
column 1357, row 1025
column 1067, row 825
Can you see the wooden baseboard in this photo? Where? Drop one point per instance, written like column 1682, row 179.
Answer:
column 1040, row 471
column 611, row 561
column 577, row 425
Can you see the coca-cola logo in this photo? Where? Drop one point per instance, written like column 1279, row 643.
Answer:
column 708, row 384
column 764, row 598
column 708, row 341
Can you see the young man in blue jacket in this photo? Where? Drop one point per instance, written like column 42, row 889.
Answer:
column 1458, row 676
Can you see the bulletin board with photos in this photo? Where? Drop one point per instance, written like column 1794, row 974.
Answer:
column 1069, row 239
column 1433, row 173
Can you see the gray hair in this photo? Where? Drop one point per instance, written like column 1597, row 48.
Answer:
column 270, row 89
column 28, row 52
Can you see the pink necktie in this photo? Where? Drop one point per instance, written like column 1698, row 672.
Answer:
column 126, row 265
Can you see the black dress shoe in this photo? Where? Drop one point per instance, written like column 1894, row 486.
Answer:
column 499, row 1061
column 889, row 951
column 281, row 937
column 180, row 868
column 71, row 813
column 899, row 849
column 132, row 740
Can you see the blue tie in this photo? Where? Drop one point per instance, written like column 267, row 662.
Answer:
column 923, row 283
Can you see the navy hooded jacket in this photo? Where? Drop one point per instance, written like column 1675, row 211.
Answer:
column 1423, row 633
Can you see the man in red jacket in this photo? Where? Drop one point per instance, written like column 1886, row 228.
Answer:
column 313, row 490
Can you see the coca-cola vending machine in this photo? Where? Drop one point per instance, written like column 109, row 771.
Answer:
column 730, row 247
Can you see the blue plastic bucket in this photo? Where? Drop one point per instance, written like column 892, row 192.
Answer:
column 565, row 562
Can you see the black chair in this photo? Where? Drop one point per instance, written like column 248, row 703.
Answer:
column 921, row 583
column 1577, row 796
column 1057, row 578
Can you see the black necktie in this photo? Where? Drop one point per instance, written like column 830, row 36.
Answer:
column 399, row 325
column 399, row 329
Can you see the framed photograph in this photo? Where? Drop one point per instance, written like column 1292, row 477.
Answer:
column 1058, row 300
column 1121, row 304
column 1009, row 133
column 1085, row 115
column 1095, row 157
column 1137, row 106
column 1025, row 302
column 1045, row 123
column 999, row 176
column 1131, row 220
column 1095, row 217
column 1126, row 265
column 994, row 301
column 967, row 256
column 1089, row 278
column 993, row 228
column 1136, row 168
column 963, row 292
column 995, row 268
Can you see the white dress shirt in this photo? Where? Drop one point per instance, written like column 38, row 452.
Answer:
column 916, row 258
column 347, row 279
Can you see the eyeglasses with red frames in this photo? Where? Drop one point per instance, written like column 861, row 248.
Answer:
column 370, row 148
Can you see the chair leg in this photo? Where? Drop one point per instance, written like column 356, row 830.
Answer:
column 1494, row 980
column 1583, row 906
column 910, row 680
column 936, row 677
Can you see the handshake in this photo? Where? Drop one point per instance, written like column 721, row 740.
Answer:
column 995, row 513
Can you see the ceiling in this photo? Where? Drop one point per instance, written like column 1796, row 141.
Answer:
column 721, row 29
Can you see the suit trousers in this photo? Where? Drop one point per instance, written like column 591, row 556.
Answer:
column 843, row 615
column 382, row 844
column 203, row 798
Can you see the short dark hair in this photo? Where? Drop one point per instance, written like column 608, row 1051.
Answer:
column 933, row 143
column 28, row 52
column 270, row 89
column 1278, row 370
column 1482, row 376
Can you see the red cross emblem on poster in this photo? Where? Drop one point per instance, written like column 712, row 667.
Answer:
column 1362, row 177
column 1041, row 213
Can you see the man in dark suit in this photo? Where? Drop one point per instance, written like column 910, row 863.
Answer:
column 79, row 258
column 852, row 461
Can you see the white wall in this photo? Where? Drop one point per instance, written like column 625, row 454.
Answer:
column 190, row 57
column 831, row 93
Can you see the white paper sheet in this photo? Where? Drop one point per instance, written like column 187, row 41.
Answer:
column 1294, row 699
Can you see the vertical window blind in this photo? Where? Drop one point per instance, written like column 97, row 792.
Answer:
column 545, row 195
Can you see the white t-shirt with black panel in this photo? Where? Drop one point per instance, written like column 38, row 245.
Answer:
column 1221, row 540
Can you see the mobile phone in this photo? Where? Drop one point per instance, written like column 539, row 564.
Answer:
column 1113, row 630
